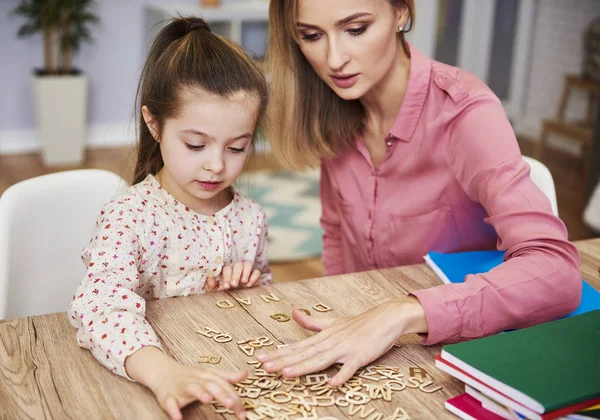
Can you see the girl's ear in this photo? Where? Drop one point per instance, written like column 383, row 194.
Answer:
column 151, row 123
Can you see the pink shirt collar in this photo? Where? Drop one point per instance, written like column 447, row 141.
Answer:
column 414, row 99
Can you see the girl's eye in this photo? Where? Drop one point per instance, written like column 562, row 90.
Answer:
column 357, row 31
column 310, row 37
column 237, row 150
column 193, row 147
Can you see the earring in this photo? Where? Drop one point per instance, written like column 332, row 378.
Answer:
column 400, row 28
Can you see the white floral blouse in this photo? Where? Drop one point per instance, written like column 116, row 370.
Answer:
column 147, row 245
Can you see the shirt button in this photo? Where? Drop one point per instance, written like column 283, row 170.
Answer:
column 389, row 143
column 219, row 260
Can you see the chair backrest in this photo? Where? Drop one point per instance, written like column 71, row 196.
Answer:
column 542, row 177
column 45, row 222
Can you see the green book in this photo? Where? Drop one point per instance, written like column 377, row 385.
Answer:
column 545, row 367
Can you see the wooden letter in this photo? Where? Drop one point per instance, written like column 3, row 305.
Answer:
column 280, row 317
column 246, row 301
column 224, row 304
column 269, row 297
column 321, row 307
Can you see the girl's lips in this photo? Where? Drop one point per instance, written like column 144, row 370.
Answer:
column 346, row 81
column 209, row 186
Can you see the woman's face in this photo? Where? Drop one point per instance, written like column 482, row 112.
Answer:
column 351, row 44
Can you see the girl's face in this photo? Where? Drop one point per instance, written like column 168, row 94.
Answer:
column 204, row 147
column 351, row 44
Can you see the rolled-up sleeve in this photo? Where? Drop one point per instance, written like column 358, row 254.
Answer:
column 539, row 280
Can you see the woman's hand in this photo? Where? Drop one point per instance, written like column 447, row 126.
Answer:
column 354, row 341
column 241, row 274
column 176, row 385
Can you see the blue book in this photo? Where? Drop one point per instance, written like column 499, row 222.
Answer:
column 453, row 267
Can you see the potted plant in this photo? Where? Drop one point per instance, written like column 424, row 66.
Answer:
column 59, row 90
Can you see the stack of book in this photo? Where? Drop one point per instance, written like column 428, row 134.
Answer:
column 546, row 371
column 542, row 372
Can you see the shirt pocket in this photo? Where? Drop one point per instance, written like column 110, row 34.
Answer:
column 410, row 237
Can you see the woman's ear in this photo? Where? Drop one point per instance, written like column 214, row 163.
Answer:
column 150, row 123
column 402, row 19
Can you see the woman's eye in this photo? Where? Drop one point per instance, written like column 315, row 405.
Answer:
column 357, row 31
column 310, row 37
column 194, row 147
column 237, row 150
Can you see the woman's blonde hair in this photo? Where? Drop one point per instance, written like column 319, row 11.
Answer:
column 307, row 121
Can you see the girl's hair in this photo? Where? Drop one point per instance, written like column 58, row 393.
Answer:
column 307, row 121
column 187, row 55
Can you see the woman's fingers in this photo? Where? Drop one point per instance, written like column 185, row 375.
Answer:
column 348, row 369
column 311, row 323
column 318, row 361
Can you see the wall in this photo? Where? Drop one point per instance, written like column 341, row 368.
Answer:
column 557, row 49
column 112, row 64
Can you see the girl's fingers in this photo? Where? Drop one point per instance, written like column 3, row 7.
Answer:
column 211, row 285
column 226, row 278
column 225, row 394
column 172, row 408
column 236, row 275
column 254, row 278
column 246, row 273
column 199, row 392
column 232, row 377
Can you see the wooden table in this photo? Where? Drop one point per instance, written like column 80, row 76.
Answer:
column 44, row 374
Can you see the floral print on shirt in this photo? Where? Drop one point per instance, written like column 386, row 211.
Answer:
column 147, row 245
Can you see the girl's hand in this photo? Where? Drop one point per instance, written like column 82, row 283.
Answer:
column 354, row 341
column 176, row 385
column 241, row 274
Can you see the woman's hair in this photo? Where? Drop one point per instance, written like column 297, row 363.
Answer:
column 187, row 55
column 307, row 121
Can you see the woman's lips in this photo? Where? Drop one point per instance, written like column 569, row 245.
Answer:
column 345, row 82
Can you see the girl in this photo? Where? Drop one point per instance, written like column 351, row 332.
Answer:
column 180, row 229
column 417, row 156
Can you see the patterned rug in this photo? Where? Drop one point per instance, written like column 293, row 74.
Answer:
column 291, row 201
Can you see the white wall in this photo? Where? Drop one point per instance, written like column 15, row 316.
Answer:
column 112, row 64
column 557, row 49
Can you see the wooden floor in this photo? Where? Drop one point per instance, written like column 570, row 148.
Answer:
column 566, row 170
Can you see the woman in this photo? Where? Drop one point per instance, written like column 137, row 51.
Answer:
column 416, row 156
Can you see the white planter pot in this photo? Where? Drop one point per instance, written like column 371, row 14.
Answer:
column 61, row 113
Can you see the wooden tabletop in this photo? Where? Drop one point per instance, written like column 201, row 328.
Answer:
column 44, row 374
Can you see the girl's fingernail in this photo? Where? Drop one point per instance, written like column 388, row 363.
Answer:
column 268, row 365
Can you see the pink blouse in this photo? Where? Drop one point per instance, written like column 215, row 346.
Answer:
column 452, row 179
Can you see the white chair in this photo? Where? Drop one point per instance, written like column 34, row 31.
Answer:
column 44, row 224
column 541, row 176
column 591, row 215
